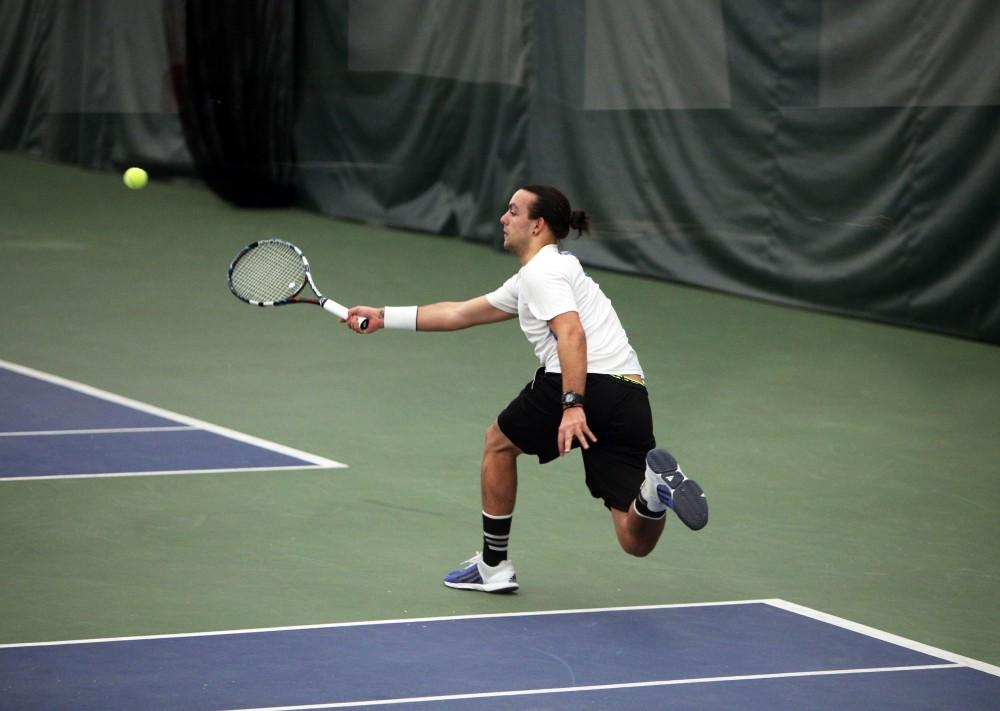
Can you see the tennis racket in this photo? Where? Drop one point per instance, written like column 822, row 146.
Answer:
column 273, row 272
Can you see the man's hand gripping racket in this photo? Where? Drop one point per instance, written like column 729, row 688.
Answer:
column 273, row 272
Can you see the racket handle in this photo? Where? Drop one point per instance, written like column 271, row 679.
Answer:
column 341, row 311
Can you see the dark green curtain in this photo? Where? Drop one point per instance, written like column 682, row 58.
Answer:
column 235, row 94
column 842, row 156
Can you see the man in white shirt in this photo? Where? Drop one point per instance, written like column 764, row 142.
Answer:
column 589, row 391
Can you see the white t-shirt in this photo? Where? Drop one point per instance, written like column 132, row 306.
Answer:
column 554, row 283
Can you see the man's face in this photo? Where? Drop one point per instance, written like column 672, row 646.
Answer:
column 517, row 226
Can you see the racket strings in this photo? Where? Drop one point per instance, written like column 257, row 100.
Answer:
column 269, row 272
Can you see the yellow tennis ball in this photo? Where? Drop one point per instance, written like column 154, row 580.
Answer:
column 135, row 178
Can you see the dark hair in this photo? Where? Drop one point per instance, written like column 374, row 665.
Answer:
column 553, row 207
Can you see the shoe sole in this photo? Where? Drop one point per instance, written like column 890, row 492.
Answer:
column 688, row 499
column 690, row 506
column 485, row 587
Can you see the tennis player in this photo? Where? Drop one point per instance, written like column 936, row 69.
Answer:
column 589, row 391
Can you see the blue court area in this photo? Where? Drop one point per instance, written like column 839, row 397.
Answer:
column 52, row 427
column 746, row 655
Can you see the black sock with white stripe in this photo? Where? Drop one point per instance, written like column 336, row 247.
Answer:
column 496, row 536
column 645, row 512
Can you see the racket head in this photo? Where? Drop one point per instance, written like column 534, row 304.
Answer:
column 269, row 272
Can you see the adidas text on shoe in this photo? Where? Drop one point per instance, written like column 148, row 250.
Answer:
column 676, row 491
column 476, row 575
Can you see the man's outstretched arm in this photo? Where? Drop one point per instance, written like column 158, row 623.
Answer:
column 440, row 316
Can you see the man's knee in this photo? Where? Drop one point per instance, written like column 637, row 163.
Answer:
column 637, row 537
column 497, row 441
column 638, row 548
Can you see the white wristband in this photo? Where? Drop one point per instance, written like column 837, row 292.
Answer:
column 401, row 317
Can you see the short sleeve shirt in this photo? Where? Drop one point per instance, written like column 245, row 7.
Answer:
column 554, row 283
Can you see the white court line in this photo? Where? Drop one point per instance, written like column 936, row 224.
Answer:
column 596, row 687
column 108, row 430
column 166, row 472
column 885, row 636
column 397, row 621
column 315, row 460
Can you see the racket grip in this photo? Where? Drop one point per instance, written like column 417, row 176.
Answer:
column 341, row 311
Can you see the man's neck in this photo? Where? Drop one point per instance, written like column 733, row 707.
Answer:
column 534, row 248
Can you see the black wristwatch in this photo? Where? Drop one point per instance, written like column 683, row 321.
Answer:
column 572, row 399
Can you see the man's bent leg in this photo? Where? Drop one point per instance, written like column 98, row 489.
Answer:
column 637, row 535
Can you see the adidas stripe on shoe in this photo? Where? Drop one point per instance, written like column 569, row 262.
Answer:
column 476, row 575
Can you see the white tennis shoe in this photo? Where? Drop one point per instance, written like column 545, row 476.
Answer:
column 476, row 575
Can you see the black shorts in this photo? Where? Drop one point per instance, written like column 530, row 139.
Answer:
column 617, row 413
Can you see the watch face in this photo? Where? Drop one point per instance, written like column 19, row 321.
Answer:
column 571, row 398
